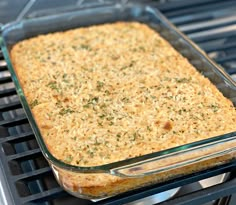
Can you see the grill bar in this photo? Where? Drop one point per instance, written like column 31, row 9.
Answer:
column 44, row 196
column 205, row 195
column 16, row 121
column 231, row 71
column 213, row 34
column 227, row 58
column 217, row 5
column 10, row 106
column 32, row 175
column 7, row 92
column 29, row 154
column 178, row 5
column 196, row 27
column 216, row 46
column 3, row 65
column 20, row 137
column 203, row 16
column 5, row 79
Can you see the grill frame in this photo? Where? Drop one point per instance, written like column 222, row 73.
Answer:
column 220, row 190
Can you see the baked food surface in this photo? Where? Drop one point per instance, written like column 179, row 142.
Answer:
column 109, row 92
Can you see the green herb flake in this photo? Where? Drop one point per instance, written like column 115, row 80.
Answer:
column 125, row 100
column 85, row 161
column 106, row 143
column 107, row 92
column 100, row 85
column 183, row 80
column 100, row 124
column 134, row 136
column 149, row 128
column 53, row 85
column 64, row 78
column 110, row 118
column 102, row 116
column 141, row 48
column 85, row 47
column 96, row 142
column 65, row 111
column 68, row 159
column 59, row 103
column 103, row 105
column 131, row 63
column 214, row 108
column 90, row 153
column 34, row 103
column 123, row 67
column 118, row 136
column 93, row 101
column 86, row 105
column 74, row 47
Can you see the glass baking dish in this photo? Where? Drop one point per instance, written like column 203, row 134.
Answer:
column 140, row 171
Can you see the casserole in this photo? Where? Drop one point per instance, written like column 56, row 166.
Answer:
column 139, row 171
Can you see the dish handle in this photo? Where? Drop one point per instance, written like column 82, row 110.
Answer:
column 219, row 151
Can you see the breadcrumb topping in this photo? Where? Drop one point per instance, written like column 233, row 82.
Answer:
column 109, row 92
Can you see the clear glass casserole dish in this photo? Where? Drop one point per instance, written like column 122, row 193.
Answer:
column 144, row 170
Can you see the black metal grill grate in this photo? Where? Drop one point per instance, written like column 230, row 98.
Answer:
column 29, row 180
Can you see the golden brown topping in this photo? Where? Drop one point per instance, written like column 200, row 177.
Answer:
column 113, row 91
column 168, row 126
